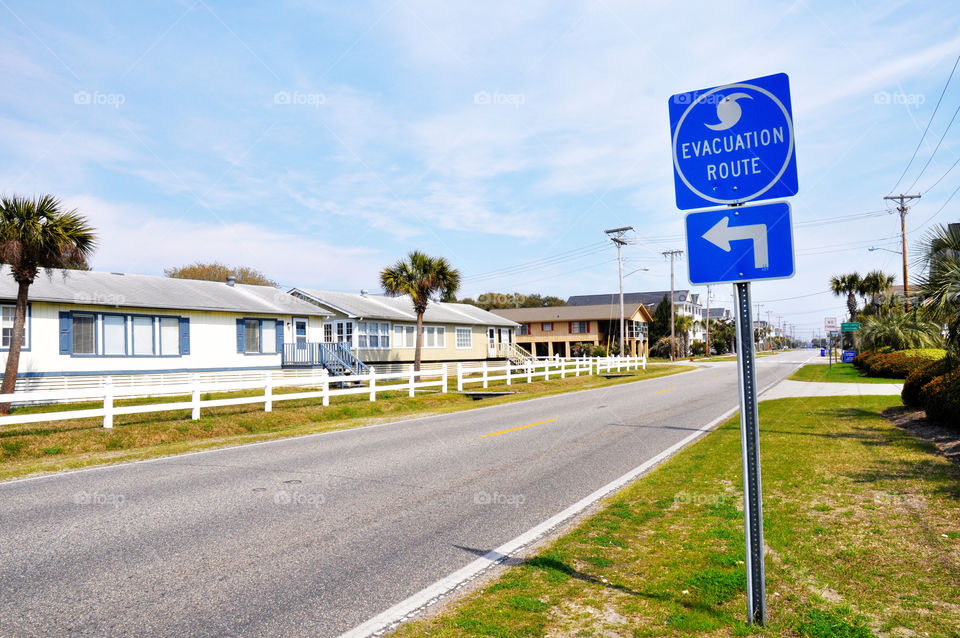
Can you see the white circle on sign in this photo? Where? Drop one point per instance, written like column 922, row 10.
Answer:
column 786, row 161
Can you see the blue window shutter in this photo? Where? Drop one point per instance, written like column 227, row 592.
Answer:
column 240, row 339
column 66, row 333
column 280, row 335
column 184, row 335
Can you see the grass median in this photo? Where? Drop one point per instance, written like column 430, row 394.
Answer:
column 837, row 373
column 61, row 445
column 862, row 526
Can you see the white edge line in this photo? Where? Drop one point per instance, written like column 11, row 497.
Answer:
column 286, row 439
column 408, row 608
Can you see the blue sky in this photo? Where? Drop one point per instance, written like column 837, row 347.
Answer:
column 320, row 142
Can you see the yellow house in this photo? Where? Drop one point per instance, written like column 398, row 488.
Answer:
column 554, row 330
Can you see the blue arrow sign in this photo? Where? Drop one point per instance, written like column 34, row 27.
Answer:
column 733, row 143
column 743, row 243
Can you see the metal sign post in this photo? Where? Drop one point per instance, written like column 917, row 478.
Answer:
column 734, row 144
column 750, row 446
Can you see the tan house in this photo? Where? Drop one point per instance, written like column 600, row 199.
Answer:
column 554, row 330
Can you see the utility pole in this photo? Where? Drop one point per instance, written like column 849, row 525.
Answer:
column 708, row 322
column 616, row 236
column 903, row 237
column 673, row 338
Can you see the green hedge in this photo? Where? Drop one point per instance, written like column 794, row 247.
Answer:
column 919, row 378
column 941, row 399
column 898, row 365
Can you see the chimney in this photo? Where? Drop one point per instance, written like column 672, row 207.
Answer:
column 231, row 280
column 364, row 292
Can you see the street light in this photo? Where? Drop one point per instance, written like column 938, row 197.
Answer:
column 873, row 248
column 634, row 271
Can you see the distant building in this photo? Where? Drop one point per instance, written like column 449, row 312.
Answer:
column 685, row 303
column 553, row 330
column 720, row 313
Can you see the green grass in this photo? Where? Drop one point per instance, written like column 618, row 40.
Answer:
column 61, row 445
column 837, row 373
column 862, row 522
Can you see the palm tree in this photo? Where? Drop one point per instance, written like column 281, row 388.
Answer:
column 873, row 285
column 34, row 234
column 940, row 283
column 848, row 285
column 683, row 324
column 900, row 331
column 422, row 277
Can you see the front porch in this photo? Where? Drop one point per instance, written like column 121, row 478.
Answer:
column 334, row 356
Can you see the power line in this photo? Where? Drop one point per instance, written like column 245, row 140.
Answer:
column 929, row 188
column 935, row 149
column 929, row 122
column 939, row 210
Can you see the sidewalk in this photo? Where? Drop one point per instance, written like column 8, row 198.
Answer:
column 787, row 388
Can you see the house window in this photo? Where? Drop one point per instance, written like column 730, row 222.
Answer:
column 372, row 334
column 404, row 336
column 464, row 338
column 169, row 336
column 327, row 333
column 547, row 326
column 268, row 336
column 578, row 327
column 524, row 328
column 9, row 312
column 84, row 334
column 251, row 335
column 345, row 331
column 433, row 337
column 143, row 336
column 114, row 335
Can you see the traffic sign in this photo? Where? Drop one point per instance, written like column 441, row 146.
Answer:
column 829, row 323
column 738, row 244
column 852, row 326
column 733, row 143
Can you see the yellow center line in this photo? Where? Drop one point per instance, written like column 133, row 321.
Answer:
column 519, row 428
column 662, row 391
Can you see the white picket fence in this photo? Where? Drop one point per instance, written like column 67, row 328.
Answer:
column 317, row 384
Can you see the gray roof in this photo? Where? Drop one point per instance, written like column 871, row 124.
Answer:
column 368, row 306
column 601, row 312
column 147, row 291
column 651, row 298
column 719, row 313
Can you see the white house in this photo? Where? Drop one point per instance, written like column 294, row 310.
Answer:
column 382, row 329
column 83, row 322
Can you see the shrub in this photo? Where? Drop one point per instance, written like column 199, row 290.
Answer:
column 860, row 360
column 920, row 377
column 698, row 348
column 662, row 347
column 897, row 365
column 941, row 399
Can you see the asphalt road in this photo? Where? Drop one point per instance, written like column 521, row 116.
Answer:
column 314, row 535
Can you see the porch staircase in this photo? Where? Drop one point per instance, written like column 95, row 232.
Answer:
column 513, row 353
column 335, row 357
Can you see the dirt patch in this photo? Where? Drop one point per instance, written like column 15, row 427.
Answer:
column 915, row 421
